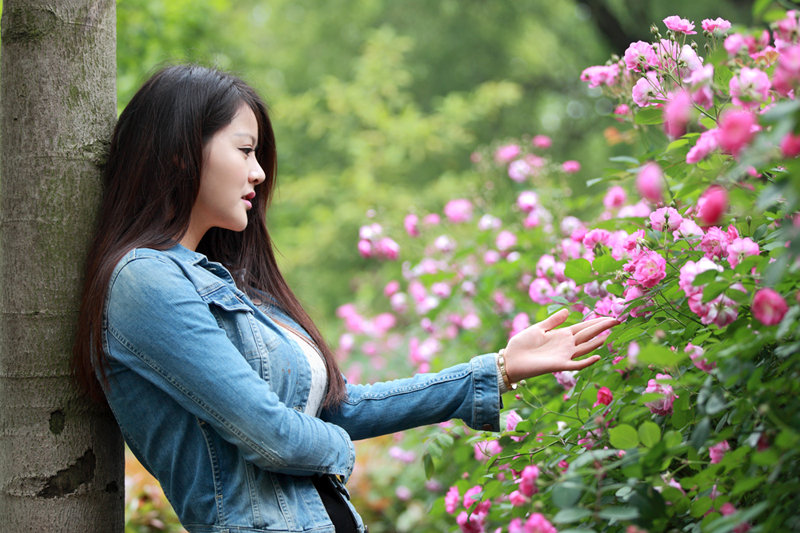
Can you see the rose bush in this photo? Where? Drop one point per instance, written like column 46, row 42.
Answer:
column 690, row 421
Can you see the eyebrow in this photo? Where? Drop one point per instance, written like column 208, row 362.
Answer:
column 253, row 139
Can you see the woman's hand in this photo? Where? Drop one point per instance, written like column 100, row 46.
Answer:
column 541, row 349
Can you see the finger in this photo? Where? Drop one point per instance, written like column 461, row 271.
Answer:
column 594, row 330
column 583, row 363
column 575, row 328
column 588, row 347
column 554, row 320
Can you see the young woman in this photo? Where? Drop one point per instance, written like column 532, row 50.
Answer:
column 222, row 386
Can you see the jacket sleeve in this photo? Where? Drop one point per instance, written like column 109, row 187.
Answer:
column 468, row 391
column 165, row 333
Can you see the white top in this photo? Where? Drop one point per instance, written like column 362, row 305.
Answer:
column 319, row 374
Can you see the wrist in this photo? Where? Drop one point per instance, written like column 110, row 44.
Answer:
column 501, row 366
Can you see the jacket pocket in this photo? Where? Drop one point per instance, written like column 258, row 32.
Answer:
column 238, row 321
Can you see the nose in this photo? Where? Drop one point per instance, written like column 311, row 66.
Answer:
column 256, row 175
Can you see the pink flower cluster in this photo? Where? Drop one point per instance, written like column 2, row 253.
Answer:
column 663, row 405
column 671, row 75
column 371, row 243
column 536, row 523
column 721, row 310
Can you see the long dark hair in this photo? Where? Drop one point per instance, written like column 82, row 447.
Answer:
column 151, row 181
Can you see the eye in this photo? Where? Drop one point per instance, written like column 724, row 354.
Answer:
column 247, row 150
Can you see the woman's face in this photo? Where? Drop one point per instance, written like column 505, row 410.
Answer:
column 228, row 178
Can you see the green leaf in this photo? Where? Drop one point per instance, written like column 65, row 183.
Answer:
column 701, row 506
column 624, row 159
column 605, row 264
column 573, row 514
column 700, row 433
column 705, row 277
column 759, row 7
column 660, row 355
column 681, row 413
column 649, row 116
column 430, row 469
column 715, row 404
column 713, row 290
column 567, row 493
column 579, row 270
column 623, row 437
column 722, row 75
column 672, row 438
column 649, row 433
column 616, row 289
column 746, row 484
column 619, row 513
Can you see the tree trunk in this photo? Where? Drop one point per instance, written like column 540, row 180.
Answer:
column 61, row 460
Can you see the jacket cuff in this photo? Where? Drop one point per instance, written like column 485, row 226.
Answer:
column 487, row 401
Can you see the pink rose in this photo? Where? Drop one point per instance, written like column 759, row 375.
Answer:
column 647, row 269
column 458, row 210
column 677, row 113
column 527, row 480
column 542, row 141
column 471, row 522
column 484, row 450
column 506, row 153
column 715, row 243
column 517, row 499
column 505, row 240
column 650, row 182
column 696, row 355
column 640, row 57
column 411, row 224
column 571, row 166
column 537, row 523
column 599, row 75
column 787, row 72
column 750, row 88
column 646, row 89
column 679, row 25
column 717, row 451
column 512, row 419
column 472, row 495
column 662, row 406
column 604, row 396
column 527, row 201
column 768, row 307
column 706, row 143
column 595, row 237
column 365, row 248
column 451, row 500
column 717, row 26
column 736, row 130
column 790, row 145
column 387, row 248
column 734, row 43
column 519, row 170
column 690, row 270
column 614, row 198
column 712, row 204
column 665, row 219
column 741, row 248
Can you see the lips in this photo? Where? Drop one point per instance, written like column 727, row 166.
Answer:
column 247, row 197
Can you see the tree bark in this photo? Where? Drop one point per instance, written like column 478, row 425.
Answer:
column 61, row 459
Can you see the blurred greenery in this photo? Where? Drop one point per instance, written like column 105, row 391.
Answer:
column 377, row 105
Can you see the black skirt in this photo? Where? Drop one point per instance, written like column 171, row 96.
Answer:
column 334, row 503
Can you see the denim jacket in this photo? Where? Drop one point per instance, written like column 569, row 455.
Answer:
column 211, row 401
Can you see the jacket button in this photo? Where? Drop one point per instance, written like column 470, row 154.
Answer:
column 487, row 427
